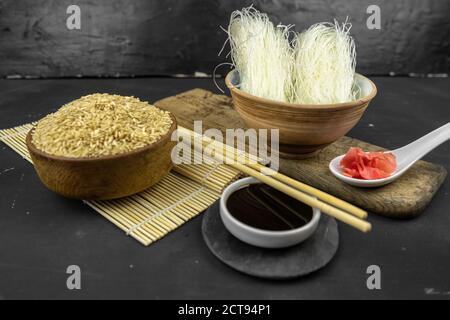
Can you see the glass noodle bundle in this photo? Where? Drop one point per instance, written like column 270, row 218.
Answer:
column 261, row 53
column 324, row 65
column 318, row 67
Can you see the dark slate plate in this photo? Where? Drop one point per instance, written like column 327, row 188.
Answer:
column 305, row 258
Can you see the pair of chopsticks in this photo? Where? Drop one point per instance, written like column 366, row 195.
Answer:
column 326, row 203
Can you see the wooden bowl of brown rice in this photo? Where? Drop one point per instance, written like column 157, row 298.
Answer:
column 102, row 147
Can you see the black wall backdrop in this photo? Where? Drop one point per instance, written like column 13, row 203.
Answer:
column 154, row 37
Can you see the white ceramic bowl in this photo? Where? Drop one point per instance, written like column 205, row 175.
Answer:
column 259, row 237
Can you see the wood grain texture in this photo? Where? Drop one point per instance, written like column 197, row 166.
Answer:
column 106, row 177
column 304, row 129
column 151, row 37
column 405, row 198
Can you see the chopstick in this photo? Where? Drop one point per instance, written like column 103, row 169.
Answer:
column 336, row 202
column 357, row 212
column 284, row 187
column 339, row 214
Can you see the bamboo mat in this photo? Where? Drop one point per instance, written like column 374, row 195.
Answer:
column 150, row 215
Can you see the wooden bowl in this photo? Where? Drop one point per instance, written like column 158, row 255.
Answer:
column 304, row 129
column 107, row 177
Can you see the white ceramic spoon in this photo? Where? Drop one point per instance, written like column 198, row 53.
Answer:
column 406, row 157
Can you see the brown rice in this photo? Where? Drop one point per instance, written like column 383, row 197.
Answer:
column 101, row 125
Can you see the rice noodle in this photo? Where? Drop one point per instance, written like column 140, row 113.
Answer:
column 260, row 51
column 317, row 68
column 324, row 64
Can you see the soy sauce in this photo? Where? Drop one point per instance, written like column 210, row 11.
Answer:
column 263, row 207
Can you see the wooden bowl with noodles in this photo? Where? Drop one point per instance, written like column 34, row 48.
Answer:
column 304, row 129
column 104, row 177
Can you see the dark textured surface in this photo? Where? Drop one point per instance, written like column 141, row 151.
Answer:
column 407, row 197
column 148, row 37
column 42, row 234
column 280, row 264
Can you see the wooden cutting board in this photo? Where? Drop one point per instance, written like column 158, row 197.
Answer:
column 405, row 198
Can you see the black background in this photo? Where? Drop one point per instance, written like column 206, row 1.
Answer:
column 154, row 37
column 41, row 234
